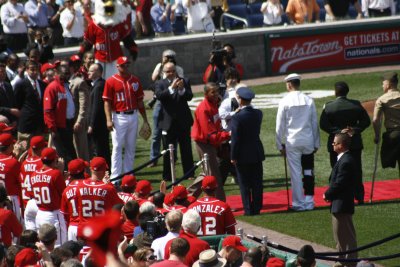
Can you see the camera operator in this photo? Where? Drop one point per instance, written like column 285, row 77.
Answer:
column 158, row 74
column 221, row 59
column 41, row 42
column 153, row 226
column 173, row 221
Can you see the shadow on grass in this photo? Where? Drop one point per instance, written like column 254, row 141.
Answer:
column 273, row 155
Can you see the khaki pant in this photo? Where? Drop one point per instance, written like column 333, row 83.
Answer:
column 344, row 234
column 202, row 149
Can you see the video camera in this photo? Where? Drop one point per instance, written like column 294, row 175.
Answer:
column 218, row 52
column 157, row 228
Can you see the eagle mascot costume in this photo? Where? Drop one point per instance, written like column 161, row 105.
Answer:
column 109, row 26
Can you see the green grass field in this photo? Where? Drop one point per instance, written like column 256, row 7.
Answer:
column 372, row 222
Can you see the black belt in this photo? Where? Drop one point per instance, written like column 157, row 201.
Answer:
column 380, row 10
column 130, row 112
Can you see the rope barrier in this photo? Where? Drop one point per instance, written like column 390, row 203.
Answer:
column 184, row 177
column 119, row 177
column 370, row 245
column 319, row 256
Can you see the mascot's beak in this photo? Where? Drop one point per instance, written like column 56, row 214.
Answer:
column 109, row 8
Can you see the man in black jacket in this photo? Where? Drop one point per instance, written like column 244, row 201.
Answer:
column 97, row 130
column 7, row 100
column 29, row 100
column 341, row 195
column 175, row 119
column 247, row 152
column 347, row 115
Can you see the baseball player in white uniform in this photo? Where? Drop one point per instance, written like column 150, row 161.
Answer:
column 297, row 135
column 123, row 98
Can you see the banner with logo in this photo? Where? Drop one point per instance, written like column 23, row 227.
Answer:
column 333, row 50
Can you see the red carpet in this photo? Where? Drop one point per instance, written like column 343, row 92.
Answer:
column 277, row 201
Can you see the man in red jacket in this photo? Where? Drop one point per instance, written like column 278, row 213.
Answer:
column 207, row 132
column 59, row 114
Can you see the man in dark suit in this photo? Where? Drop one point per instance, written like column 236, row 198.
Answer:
column 7, row 100
column 97, row 130
column 247, row 152
column 29, row 100
column 349, row 116
column 341, row 195
column 175, row 119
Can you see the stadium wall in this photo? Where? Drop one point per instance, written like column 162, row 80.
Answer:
column 254, row 48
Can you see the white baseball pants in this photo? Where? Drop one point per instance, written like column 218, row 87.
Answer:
column 123, row 136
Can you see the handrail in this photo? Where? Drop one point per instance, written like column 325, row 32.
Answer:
column 221, row 24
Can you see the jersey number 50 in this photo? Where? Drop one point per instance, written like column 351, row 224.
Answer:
column 42, row 195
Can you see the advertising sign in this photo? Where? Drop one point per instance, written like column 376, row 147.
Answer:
column 333, row 50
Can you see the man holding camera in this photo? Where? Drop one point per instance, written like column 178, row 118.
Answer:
column 176, row 119
column 220, row 60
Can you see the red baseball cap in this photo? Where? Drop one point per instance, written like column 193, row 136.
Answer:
column 38, row 142
column 209, row 182
column 122, row 60
column 275, row 262
column 48, row 153
column 169, row 199
column 235, row 242
column 47, row 66
column 5, row 128
column 77, row 166
column 102, row 237
column 26, row 257
column 143, row 187
column 191, row 199
column 129, row 180
column 98, row 164
column 6, row 139
column 180, row 192
column 74, row 58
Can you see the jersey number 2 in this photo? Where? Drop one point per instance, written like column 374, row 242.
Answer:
column 210, row 223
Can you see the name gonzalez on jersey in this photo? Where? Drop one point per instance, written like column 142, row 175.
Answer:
column 203, row 208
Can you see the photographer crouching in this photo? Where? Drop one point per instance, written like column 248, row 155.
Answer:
column 158, row 74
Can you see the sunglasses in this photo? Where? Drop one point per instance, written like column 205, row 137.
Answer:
column 151, row 258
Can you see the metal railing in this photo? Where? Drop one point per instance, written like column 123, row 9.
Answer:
column 221, row 20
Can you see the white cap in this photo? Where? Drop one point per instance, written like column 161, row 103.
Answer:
column 291, row 77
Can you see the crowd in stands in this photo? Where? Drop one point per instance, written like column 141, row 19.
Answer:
column 64, row 22
column 58, row 206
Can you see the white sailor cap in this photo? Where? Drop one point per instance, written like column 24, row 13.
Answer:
column 291, row 77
